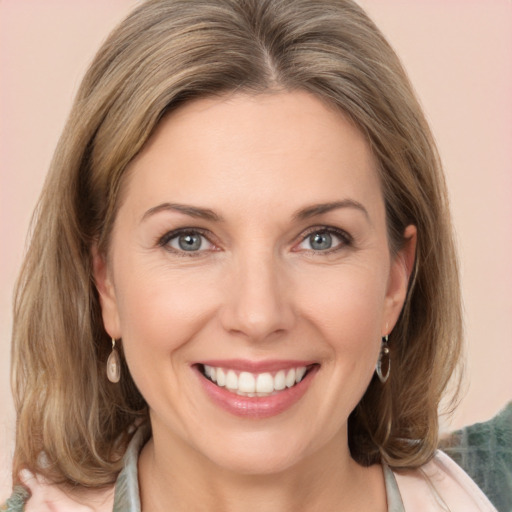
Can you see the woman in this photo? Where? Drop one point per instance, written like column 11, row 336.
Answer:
column 241, row 292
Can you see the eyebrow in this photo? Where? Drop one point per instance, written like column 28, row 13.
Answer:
column 302, row 214
column 192, row 211
column 319, row 209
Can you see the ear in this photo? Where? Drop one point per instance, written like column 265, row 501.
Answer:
column 402, row 266
column 106, row 292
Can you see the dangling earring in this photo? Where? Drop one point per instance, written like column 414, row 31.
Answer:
column 114, row 364
column 384, row 361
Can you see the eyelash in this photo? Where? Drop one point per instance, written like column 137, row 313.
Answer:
column 346, row 239
column 164, row 240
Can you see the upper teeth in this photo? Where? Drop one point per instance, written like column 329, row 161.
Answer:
column 255, row 384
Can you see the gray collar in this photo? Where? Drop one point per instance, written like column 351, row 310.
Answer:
column 126, row 496
column 395, row 503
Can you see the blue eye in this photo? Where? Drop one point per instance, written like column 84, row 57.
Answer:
column 186, row 241
column 324, row 240
column 320, row 241
column 190, row 242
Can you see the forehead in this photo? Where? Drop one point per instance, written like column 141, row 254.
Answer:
column 254, row 150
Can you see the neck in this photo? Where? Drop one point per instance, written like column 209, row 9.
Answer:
column 329, row 479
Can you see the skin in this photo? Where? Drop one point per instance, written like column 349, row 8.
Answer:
column 255, row 290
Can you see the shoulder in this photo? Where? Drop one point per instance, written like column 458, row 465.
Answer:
column 37, row 495
column 441, row 485
column 484, row 450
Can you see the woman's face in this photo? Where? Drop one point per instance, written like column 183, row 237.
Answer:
column 249, row 253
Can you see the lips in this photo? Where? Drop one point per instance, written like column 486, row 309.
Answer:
column 256, row 390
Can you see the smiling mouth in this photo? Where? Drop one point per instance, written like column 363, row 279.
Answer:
column 250, row 384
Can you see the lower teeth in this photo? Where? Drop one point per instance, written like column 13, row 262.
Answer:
column 250, row 395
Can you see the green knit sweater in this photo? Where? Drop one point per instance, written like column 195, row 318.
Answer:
column 16, row 502
column 484, row 451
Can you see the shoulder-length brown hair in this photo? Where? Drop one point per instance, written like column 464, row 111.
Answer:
column 168, row 52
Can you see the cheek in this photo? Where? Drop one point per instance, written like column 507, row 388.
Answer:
column 160, row 313
column 346, row 299
column 161, row 309
column 346, row 308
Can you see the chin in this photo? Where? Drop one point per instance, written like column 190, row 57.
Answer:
column 258, row 463
column 260, row 454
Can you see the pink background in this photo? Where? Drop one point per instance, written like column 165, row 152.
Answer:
column 459, row 56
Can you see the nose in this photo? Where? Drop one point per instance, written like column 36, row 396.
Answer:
column 258, row 303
